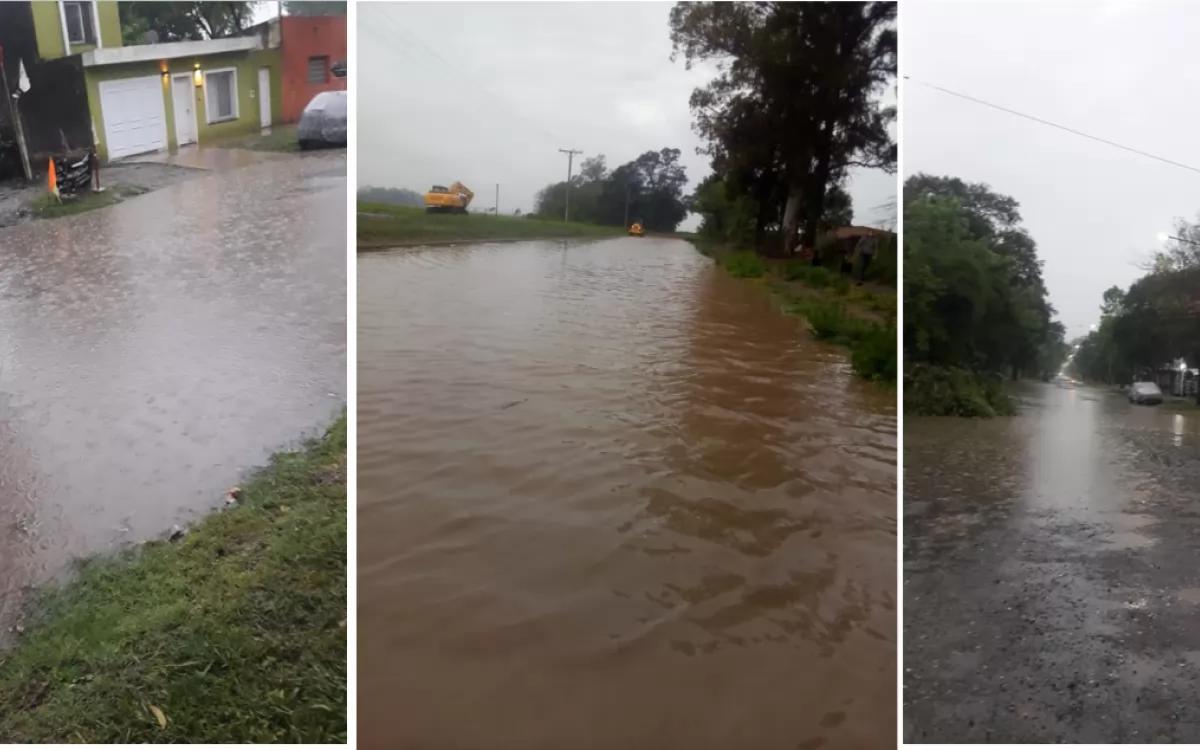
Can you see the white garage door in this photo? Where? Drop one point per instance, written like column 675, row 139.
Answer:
column 135, row 121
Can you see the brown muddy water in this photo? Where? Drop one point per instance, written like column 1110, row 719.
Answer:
column 152, row 352
column 609, row 497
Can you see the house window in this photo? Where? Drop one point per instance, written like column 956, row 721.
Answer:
column 80, row 29
column 316, row 69
column 220, row 94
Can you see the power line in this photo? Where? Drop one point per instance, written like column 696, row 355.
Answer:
column 1039, row 120
column 425, row 65
column 393, row 24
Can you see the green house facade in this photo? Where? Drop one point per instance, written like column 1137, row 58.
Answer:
column 143, row 98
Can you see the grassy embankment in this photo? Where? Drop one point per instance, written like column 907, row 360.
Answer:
column 381, row 226
column 862, row 319
column 235, row 633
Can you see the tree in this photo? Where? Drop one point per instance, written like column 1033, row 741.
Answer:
column 314, row 8
column 796, row 102
column 987, row 212
column 974, row 298
column 1153, row 324
column 651, row 186
column 1114, row 300
column 392, row 196
column 593, row 169
column 839, row 209
column 184, row 21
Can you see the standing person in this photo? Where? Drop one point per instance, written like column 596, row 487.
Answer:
column 866, row 251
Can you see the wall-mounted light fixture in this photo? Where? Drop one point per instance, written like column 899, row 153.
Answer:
column 166, row 75
column 197, row 76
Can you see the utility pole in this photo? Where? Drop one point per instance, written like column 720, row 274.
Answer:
column 496, row 210
column 626, row 204
column 570, row 152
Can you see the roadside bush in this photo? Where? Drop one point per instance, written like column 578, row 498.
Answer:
column 745, row 265
column 827, row 319
column 819, row 276
column 953, row 392
column 795, row 270
column 815, row 276
column 883, row 268
column 874, row 354
column 827, row 246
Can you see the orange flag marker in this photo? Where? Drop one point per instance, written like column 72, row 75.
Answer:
column 52, row 180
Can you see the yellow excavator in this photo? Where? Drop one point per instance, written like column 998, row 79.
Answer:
column 448, row 200
column 636, row 230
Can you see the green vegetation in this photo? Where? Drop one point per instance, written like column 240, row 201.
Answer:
column 391, row 196
column 282, row 138
column 744, row 265
column 235, row 633
column 796, row 105
column 1152, row 325
column 190, row 21
column 314, row 7
column 381, row 225
column 872, row 345
column 974, row 300
column 858, row 318
column 47, row 206
column 650, row 187
column 953, row 392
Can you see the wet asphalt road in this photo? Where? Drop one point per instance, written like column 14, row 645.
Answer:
column 1052, row 573
column 151, row 353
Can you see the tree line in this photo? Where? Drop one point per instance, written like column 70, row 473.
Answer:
column 1153, row 324
column 795, row 106
column 209, row 19
column 649, row 189
column 975, row 304
column 392, row 196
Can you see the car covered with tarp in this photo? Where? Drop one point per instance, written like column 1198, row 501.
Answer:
column 323, row 122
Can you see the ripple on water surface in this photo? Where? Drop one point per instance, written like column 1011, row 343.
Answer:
column 609, row 497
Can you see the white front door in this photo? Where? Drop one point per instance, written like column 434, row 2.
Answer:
column 135, row 120
column 264, row 96
column 184, row 102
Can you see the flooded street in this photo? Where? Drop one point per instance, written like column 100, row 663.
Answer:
column 610, row 497
column 152, row 352
column 1052, row 573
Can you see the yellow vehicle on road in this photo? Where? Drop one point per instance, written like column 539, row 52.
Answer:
column 448, row 200
column 636, row 230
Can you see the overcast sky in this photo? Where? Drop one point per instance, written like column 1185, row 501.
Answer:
column 1117, row 70
column 523, row 80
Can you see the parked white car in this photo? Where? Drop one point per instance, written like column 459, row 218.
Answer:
column 1145, row 393
column 323, row 122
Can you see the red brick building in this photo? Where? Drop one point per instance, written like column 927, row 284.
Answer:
column 311, row 46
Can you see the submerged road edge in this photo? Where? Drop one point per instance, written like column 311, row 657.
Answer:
column 163, row 638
